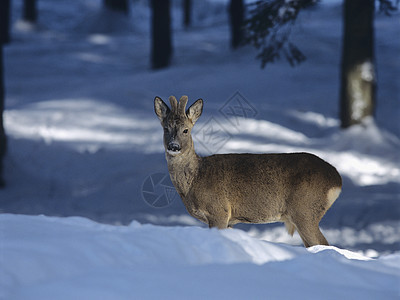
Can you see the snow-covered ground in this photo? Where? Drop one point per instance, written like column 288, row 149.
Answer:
column 74, row 258
column 84, row 141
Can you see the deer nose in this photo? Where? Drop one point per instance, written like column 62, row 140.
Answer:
column 174, row 147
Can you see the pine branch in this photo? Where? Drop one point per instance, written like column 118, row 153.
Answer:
column 387, row 7
column 269, row 27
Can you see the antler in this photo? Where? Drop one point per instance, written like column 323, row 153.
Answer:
column 182, row 105
column 174, row 104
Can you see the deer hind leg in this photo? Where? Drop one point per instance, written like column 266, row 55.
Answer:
column 310, row 231
column 311, row 234
column 307, row 224
column 290, row 227
column 307, row 215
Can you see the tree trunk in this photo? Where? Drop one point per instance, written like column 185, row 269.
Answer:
column 4, row 39
column 161, row 50
column 236, row 12
column 3, row 140
column 358, row 79
column 4, row 22
column 29, row 11
column 118, row 5
column 187, row 13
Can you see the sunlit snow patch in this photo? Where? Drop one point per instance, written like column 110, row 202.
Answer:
column 84, row 124
column 346, row 253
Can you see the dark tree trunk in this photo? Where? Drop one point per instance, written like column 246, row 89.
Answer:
column 187, row 13
column 4, row 39
column 29, row 11
column 236, row 12
column 161, row 48
column 3, row 140
column 4, row 22
column 117, row 5
column 358, row 79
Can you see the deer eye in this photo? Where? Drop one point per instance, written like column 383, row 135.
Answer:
column 185, row 131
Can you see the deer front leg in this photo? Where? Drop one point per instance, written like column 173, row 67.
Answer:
column 220, row 224
column 219, row 217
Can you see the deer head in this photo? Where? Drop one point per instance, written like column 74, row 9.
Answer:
column 177, row 123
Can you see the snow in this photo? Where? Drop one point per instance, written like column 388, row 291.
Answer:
column 83, row 140
column 69, row 258
column 367, row 71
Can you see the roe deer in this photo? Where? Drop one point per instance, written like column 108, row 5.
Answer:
column 226, row 189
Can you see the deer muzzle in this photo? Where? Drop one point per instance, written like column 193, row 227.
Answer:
column 173, row 148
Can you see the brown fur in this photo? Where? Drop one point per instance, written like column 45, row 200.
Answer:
column 223, row 190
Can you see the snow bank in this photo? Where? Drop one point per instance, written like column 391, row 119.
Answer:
column 70, row 258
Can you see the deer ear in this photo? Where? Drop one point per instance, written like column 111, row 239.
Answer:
column 195, row 110
column 161, row 109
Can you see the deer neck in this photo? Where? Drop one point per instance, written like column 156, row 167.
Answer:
column 183, row 170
